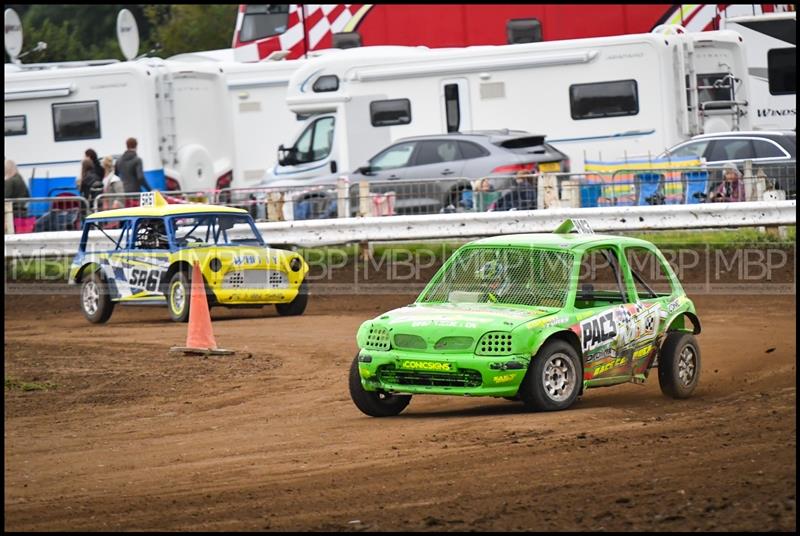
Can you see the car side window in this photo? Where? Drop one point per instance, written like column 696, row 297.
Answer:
column 649, row 274
column 691, row 150
column 115, row 235
column 766, row 149
column 733, row 149
column 151, row 233
column 600, row 280
column 471, row 150
column 437, row 152
column 394, row 157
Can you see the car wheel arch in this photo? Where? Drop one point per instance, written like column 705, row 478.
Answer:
column 86, row 269
column 566, row 335
column 178, row 266
column 678, row 323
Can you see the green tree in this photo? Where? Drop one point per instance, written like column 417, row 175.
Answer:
column 88, row 32
column 181, row 28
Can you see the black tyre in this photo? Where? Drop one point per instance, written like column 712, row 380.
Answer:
column 179, row 295
column 374, row 403
column 96, row 301
column 297, row 305
column 679, row 365
column 554, row 378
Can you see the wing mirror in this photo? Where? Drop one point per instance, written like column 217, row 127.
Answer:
column 287, row 156
column 365, row 170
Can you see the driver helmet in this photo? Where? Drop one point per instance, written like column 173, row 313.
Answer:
column 494, row 274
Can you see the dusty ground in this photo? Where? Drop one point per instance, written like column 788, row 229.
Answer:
column 134, row 438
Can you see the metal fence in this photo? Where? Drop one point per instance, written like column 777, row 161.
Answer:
column 437, row 195
column 42, row 214
column 112, row 201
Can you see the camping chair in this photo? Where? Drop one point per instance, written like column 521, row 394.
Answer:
column 696, row 184
column 484, row 200
column 62, row 216
column 648, row 188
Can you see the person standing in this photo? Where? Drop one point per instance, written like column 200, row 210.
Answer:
column 129, row 169
column 92, row 155
column 112, row 184
column 91, row 184
column 15, row 188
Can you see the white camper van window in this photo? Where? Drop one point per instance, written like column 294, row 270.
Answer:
column 329, row 82
column 604, row 99
column 452, row 110
column 782, row 71
column 385, row 113
column 16, row 125
column 76, row 121
column 263, row 21
column 315, row 142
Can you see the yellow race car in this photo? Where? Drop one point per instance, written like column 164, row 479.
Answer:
column 145, row 254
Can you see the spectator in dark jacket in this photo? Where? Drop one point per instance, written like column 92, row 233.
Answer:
column 91, row 184
column 15, row 188
column 129, row 169
column 521, row 196
column 92, row 155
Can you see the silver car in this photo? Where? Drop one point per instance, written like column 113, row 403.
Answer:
column 431, row 174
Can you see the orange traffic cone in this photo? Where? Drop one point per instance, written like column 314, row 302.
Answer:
column 200, row 337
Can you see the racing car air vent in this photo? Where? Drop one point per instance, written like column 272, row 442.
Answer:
column 387, row 374
column 377, row 339
column 454, row 343
column 257, row 279
column 411, row 342
column 494, row 343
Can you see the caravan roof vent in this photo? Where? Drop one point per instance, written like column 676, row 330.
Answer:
column 524, row 31
column 346, row 40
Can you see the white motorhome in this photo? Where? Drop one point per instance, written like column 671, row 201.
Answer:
column 771, row 46
column 261, row 119
column 178, row 112
column 601, row 97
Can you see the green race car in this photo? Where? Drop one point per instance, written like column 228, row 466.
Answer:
column 533, row 317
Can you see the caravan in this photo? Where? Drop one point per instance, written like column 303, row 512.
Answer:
column 178, row 112
column 607, row 97
column 771, row 45
column 261, row 120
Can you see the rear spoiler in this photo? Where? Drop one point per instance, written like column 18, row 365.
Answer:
column 522, row 142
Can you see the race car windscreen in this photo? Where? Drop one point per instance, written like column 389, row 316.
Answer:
column 512, row 276
column 215, row 230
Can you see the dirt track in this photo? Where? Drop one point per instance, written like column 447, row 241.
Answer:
column 133, row 438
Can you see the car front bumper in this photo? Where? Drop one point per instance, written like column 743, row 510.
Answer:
column 398, row 371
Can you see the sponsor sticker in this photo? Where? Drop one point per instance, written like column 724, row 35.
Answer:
column 505, row 378
column 433, row 366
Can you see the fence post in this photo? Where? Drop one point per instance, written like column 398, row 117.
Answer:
column 343, row 197
column 363, row 199
column 571, row 193
column 9, row 219
column 749, row 183
column 547, row 191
